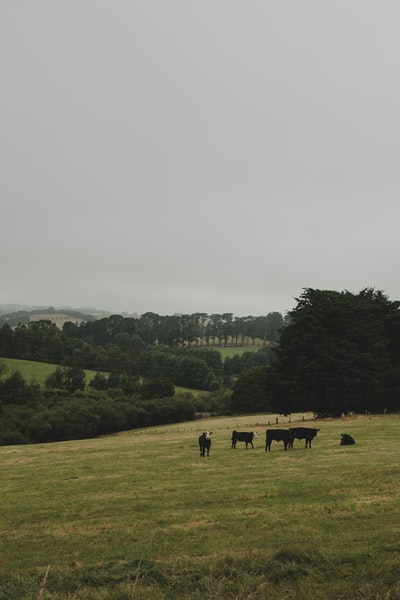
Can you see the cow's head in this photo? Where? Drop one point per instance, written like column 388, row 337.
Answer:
column 254, row 433
column 207, row 434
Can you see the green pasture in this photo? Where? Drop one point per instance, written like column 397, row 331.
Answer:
column 193, row 392
column 34, row 372
column 141, row 516
column 232, row 350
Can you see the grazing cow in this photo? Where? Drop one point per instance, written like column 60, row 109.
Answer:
column 304, row 433
column 243, row 436
column 279, row 435
column 347, row 440
column 205, row 443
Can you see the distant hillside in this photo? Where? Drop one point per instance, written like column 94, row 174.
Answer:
column 21, row 314
column 7, row 309
column 60, row 318
column 16, row 314
column 13, row 308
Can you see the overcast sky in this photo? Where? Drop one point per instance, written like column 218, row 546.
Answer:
column 198, row 156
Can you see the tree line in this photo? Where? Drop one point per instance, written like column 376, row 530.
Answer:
column 116, row 343
column 66, row 409
column 338, row 353
column 137, row 391
column 70, row 408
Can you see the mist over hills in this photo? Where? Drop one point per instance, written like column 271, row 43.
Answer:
column 8, row 309
column 22, row 314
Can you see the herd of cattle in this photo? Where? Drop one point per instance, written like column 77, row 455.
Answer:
column 287, row 436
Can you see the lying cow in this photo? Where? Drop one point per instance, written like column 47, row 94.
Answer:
column 205, row 443
column 243, row 436
column 278, row 435
column 304, row 433
column 347, row 440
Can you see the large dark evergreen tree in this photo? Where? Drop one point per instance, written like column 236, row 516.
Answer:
column 339, row 352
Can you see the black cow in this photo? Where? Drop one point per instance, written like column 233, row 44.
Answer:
column 347, row 440
column 304, row 433
column 243, row 436
column 279, row 435
column 205, row 443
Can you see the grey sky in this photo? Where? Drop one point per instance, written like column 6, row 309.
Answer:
column 213, row 156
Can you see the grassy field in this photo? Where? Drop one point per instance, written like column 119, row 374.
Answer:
column 141, row 516
column 34, row 372
column 232, row 350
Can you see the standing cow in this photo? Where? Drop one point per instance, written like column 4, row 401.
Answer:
column 304, row 433
column 279, row 435
column 243, row 436
column 205, row 443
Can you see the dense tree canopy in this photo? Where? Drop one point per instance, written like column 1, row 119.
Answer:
column 251, row 391
column 29, row 414
column 339, row 352
column 138, row 363
column 176, row 347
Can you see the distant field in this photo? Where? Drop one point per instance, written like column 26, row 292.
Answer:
column 232, row 350
column 195, row 393
column 34, row 372
column 140, row 516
